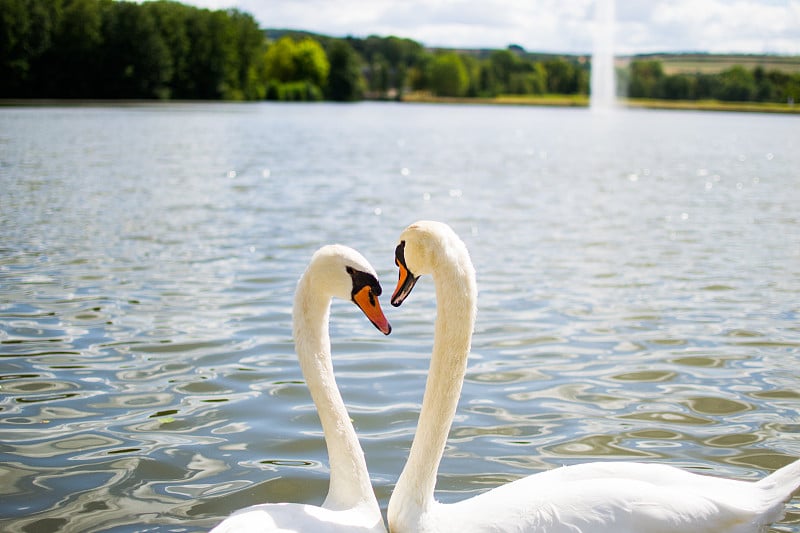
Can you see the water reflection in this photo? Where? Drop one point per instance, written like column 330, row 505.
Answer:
column 627, row 309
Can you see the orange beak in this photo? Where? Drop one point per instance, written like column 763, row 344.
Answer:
column 366, row 300
column 405, row 282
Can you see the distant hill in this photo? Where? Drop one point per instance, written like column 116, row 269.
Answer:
column 673, row 63
column 276, row 33
column 714, row 63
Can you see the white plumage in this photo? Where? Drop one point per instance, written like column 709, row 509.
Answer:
column 350, row 506
column 618, row 497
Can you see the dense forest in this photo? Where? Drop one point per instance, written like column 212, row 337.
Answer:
column 166, row 50
column 647, row 79
column 109, row 49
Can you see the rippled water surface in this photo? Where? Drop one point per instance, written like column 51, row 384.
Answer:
column 639, row 277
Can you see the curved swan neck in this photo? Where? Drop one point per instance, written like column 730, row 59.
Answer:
column 350, row 484
column 456, row 296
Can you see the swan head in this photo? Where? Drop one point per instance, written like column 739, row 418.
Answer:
column 424, row 247
column 346, row 274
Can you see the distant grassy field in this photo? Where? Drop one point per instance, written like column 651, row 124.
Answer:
column 714, row 63
column 563, row 100
column 712, row 105
column 583, row 101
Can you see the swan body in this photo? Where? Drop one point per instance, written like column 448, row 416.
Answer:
column 334, row 271
column 600, row 497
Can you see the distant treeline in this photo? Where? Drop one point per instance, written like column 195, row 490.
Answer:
column 391, row 65
column 647, row 79
column 109, row 49
column 163, row 49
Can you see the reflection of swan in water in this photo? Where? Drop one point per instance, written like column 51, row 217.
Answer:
column 334, row 271
column 619, row 497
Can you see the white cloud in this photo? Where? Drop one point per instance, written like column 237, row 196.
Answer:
column 545, row 25
column 726, row 25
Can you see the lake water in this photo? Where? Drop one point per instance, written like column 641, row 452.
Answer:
column 639, row 277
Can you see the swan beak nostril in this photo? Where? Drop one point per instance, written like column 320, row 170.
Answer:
column 366, row 300
column 405, row 284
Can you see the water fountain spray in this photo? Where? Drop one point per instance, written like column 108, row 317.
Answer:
column 603, row 80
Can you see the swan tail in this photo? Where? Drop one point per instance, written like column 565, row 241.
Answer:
column 783, row 482
column 778, row 487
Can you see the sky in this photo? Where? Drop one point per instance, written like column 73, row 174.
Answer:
column 561, row 26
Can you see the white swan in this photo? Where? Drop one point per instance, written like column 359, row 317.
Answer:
column 334, row 271
column 619, row 497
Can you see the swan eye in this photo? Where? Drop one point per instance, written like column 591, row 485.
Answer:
column 363, row 279
column 400, row 254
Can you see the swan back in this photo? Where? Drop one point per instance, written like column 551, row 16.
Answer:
column 619, row 497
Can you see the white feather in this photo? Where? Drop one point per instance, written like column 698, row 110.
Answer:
column 605, row 497
column 351, row 505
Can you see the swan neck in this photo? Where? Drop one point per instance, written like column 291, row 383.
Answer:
column 349, row 484
column 456, row 296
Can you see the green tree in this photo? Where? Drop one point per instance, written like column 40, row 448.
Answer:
column 473, row 69
column 311, row 63
column 70, row 67
column 487, row 84
column 448, row 75
column 786, row 86
column 213, row 58
column 539, row 78
column 299, row 64
column 378, row 75
column 203, row 81
column 646, row 79
column 246, row 73
column 391, row 64
column 135, row 58
column 27, row 29
column 171, row 20
column 418, row 75
column 225, row 56
column 790, row 91
column 708, row 86
column 123, row 49
column 345, row 82
column 765, row 89
column 737, row 84
column 503, row 64
column 279, row 60
column 565, row 77
column 679, row 87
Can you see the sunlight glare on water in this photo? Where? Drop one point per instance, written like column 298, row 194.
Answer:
column 639, row 282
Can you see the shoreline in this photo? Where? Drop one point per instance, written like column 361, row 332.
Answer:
column 631, row 103
column 424, row 98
